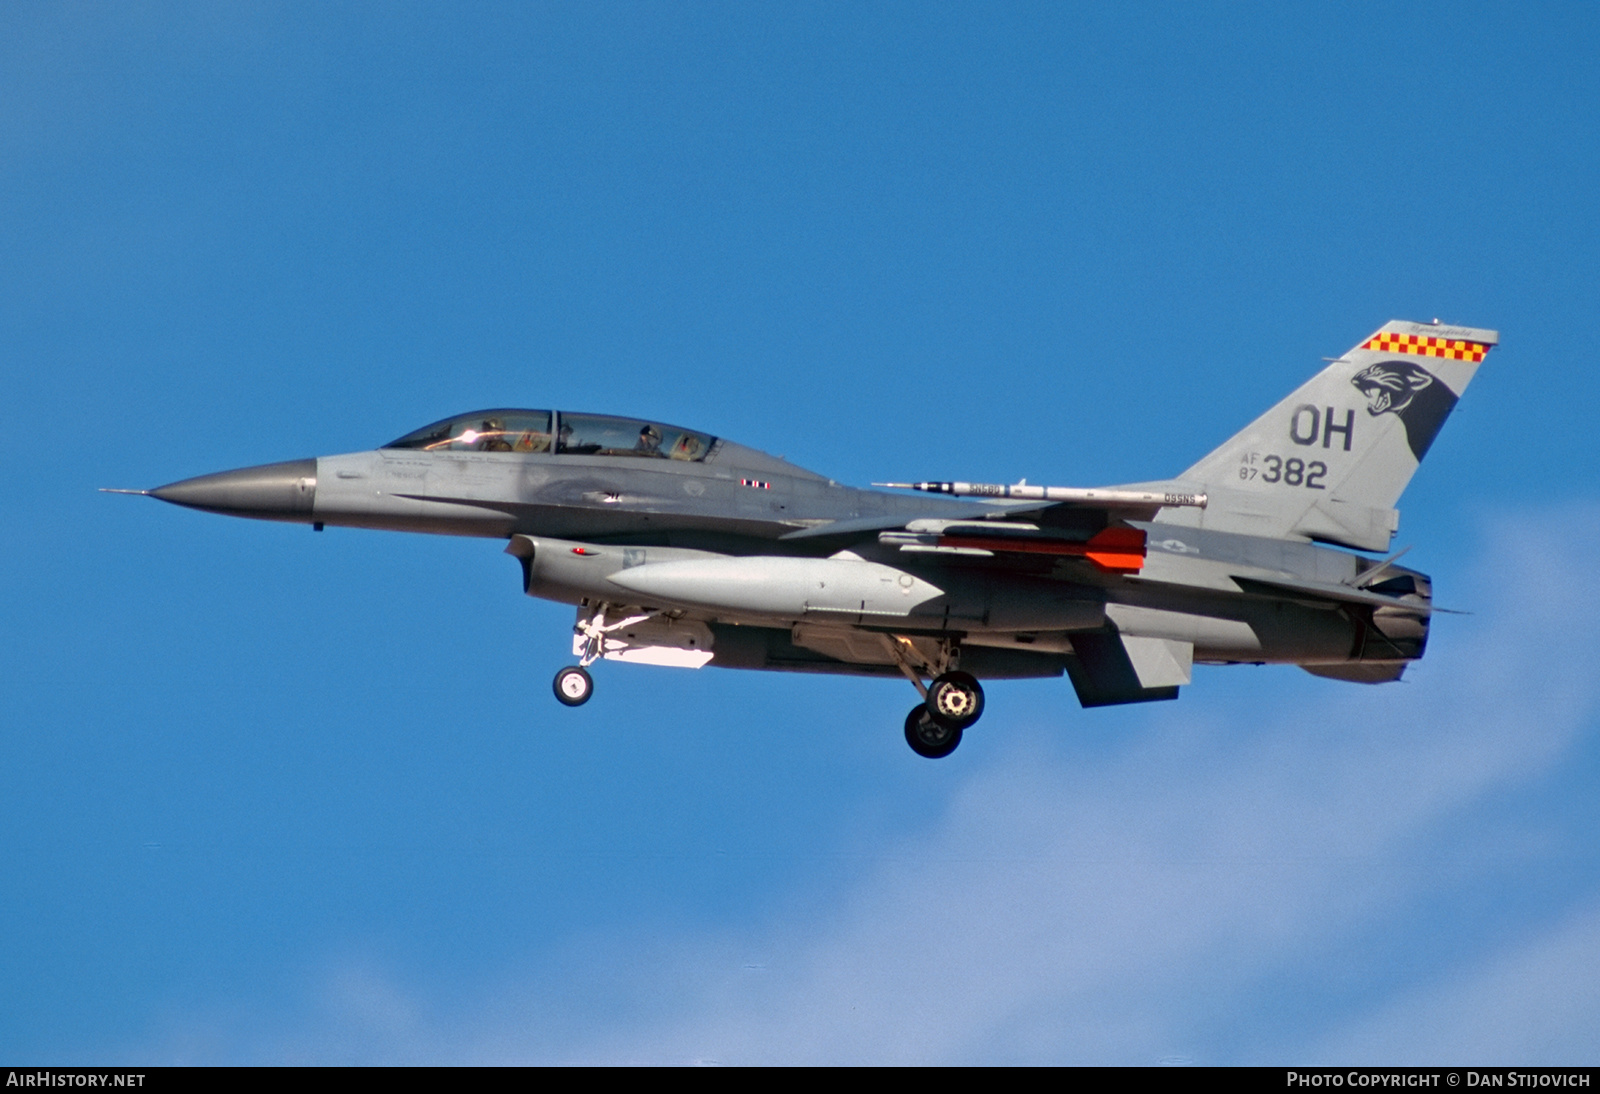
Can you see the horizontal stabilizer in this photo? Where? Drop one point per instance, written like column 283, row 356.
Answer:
column 1326, row 592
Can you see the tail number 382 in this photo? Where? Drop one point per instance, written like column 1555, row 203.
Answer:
column 1290, row 472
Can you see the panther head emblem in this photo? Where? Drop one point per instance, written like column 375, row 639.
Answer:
column 1391, row 385
column 1412, row 394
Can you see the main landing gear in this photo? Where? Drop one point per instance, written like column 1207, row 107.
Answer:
column 927, row 738
column 951, row 702
column 956, row 699
column 933, row 728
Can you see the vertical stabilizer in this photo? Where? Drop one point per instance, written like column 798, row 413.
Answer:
column 1331, row 460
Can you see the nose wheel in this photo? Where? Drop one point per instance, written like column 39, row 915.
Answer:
column 573, row 686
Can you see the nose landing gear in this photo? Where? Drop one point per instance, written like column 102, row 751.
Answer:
column 573, row 686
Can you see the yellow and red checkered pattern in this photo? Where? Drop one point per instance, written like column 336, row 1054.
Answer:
column 1426, row 346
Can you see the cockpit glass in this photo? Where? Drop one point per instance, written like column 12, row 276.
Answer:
column 592, row 435
column 485, row 431
column 579, row 435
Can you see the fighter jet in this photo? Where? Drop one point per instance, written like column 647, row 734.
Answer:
column 682, row 548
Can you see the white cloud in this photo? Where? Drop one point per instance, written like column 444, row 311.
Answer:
column 1536, row 1003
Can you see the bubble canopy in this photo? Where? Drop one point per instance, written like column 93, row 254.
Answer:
column 528, row 431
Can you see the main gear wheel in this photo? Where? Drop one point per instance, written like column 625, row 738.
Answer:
column 929, row 738
column 955, row 699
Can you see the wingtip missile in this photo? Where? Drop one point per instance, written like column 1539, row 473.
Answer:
column 1116, row 499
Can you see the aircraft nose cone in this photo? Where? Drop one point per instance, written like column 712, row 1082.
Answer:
column 273, row 491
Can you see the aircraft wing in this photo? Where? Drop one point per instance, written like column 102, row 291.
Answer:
column 1077, row 511
column 1019, row 521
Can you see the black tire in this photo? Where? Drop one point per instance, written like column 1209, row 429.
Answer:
column 573, row 686
column 955, row 699
column 928, row 738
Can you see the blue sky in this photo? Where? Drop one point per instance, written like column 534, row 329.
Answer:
column 281, row 797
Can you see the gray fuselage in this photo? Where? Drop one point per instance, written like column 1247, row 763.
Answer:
column 586, row 526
